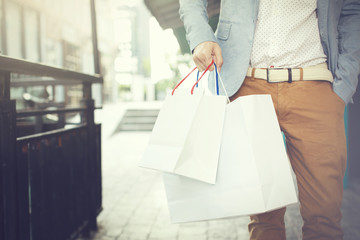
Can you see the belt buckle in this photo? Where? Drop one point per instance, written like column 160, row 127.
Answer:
column 289, row 74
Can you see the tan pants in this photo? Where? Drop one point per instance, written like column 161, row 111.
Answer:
column 311, row 116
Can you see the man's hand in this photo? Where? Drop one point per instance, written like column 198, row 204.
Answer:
column 204, row 53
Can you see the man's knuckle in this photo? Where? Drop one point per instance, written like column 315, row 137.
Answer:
column 196, row 57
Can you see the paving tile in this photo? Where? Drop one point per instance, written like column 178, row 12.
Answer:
column 142, row 220
column 224, row 235
column 113, row 224
column 193, row 225
column 192, row 231
column 103, row 238
column 192, row 237
column 163, row 233
column 136, row 235
column 130, row 237
column 112, row 232
column 166, row 238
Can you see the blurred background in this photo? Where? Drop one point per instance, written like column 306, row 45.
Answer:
column 138, row 59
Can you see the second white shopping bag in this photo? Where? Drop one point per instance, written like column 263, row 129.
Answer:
column 187, row 134
column 254, row 173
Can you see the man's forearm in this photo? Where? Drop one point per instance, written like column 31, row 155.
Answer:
column 194, row 15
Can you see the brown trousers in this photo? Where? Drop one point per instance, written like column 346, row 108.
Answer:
column 311, row 116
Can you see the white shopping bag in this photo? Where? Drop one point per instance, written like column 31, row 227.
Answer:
column 187, row 135
column 254, row 173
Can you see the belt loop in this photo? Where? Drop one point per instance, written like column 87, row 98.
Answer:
column 301, row 74
column 289, row 75
column 253, row 74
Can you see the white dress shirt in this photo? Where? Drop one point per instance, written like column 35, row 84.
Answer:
column 287, row 35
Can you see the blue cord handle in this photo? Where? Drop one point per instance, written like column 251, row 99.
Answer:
column 197, row 78
column 217, row 79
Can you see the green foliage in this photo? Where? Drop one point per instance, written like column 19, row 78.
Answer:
column 146, row 66
column 165, row 85
column 124, row 88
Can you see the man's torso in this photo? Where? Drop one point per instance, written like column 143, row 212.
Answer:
column 287, row 35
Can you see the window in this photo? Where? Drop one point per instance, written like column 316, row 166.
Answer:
column 31, row 40
column 13, row 30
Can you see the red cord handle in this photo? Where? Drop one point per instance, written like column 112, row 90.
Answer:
column 182, row 81
column 192, row 89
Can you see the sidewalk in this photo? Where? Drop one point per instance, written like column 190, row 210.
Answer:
column 134, row 200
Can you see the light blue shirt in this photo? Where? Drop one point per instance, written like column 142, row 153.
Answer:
column 339, row 27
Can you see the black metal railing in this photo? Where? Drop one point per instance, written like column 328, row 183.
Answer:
column 50, row 181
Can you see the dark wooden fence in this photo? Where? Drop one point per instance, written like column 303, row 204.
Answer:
column 50, row 182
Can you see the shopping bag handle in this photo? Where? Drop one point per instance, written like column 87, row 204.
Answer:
column 216, row 81
column 192, row 90
column 222, row 84
column 218, row 77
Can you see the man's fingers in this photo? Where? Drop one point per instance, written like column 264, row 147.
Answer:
column 203, row 62
column 203, row 55
column 218, row 57
column 200, row 62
